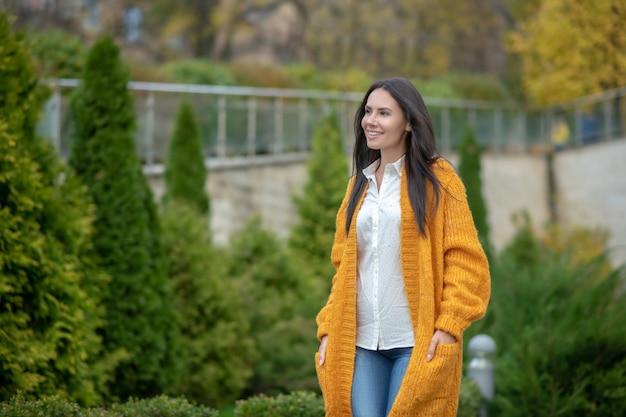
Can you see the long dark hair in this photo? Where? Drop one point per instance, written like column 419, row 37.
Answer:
column 421, row 150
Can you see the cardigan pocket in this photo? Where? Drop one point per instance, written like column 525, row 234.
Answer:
column 440, row 377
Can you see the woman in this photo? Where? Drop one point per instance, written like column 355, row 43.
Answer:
column 411, row 275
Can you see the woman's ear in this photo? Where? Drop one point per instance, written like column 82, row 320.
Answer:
column 408, row 127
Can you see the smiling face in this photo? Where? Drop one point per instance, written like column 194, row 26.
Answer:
column 385, row 125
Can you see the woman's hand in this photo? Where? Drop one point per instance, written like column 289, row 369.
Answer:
column 440, row 337
column 322, row 350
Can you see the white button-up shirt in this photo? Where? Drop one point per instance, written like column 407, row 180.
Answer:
column 383, row 319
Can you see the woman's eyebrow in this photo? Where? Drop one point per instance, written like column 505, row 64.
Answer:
column 379, row 108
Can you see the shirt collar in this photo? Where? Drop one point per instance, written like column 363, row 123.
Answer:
column 370, row 170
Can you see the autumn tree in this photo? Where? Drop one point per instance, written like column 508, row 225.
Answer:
column 127, row 240
column 191, row 19
column 572, row 49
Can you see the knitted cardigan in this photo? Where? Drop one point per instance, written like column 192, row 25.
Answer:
column 447, row 282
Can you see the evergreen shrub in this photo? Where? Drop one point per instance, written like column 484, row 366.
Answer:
column 55, row 406
column 294, row 404
column 49, row 406
column 470, row 168
column 310, row 404
column 274, row 295
column 311, row 238
column 141, row 319
column 216, row 342
column 560, row 327
column 162, row 406
column 185, row 171
column 49, row 287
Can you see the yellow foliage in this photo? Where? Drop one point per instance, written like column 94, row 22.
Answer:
column 572, row 48
column 582, row 244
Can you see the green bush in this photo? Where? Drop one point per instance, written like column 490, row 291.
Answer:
column 435, row 87
column 140, row 316
column 475, row 86
column 295, row 404
column 561, row 330
column 199, row 72
column 57, row 54
column 49, row 406
column 216, row 343
column 162, row 406
column 55, row 406
column 254, row 74
column 309, row 404
column 273, row 294
column 307, row 76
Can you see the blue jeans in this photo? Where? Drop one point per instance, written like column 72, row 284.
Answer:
column 377, row 378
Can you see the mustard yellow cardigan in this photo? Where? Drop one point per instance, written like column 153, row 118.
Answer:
column 447, row 282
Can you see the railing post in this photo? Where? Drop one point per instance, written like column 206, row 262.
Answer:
column 278, row 125
column 221, row 127
column 149, row 139
column 302, row 120
column 522, row 119
column 606, row 106
column 251, row 126
column 56, row 117
column 497, row 130
column 481, row 368
column 578, row 126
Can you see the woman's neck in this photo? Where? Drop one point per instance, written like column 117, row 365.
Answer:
column 389, row 159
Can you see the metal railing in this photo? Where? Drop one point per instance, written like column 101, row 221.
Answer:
column 237, row 122
column 590, row 119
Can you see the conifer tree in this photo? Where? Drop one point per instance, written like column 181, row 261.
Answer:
column 217, row 345
column 140, row 315
column 469, row 170
column 312, row 237
column 185, row 172
column 49, row 288
column 274, row 293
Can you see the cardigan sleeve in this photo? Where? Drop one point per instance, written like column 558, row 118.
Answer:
column 466, row 278
column 322, row 318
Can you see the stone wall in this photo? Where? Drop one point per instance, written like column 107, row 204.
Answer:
column 591, row 190
column 590, row 185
